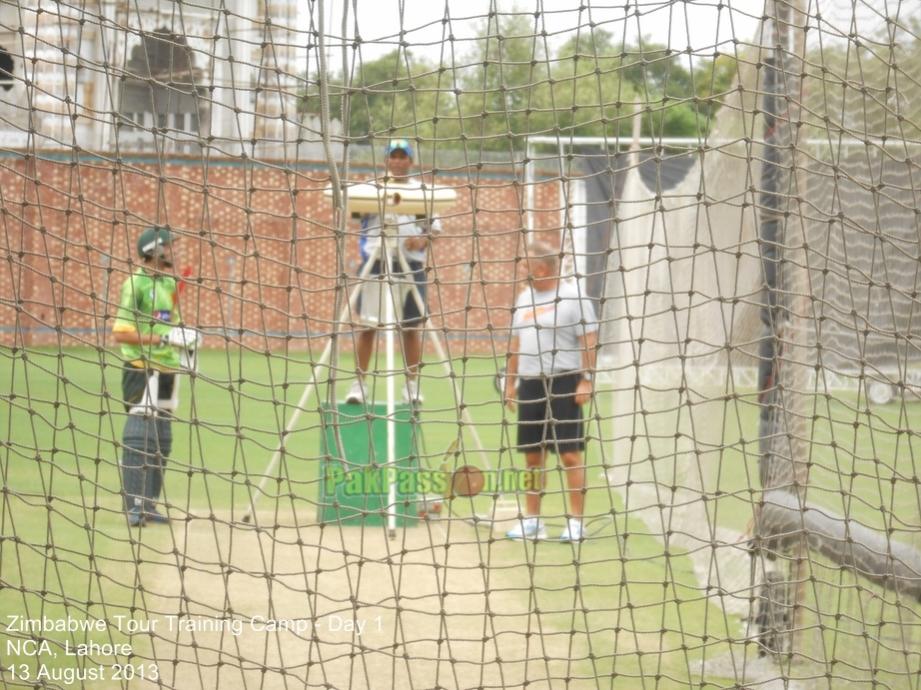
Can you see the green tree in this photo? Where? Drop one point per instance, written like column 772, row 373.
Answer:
column 395, row 95
column 385, row 97
column 507, row 88
column 590, row 96
column 865, row 89
column 505, row 81
column 599, row 81
column 665, row 80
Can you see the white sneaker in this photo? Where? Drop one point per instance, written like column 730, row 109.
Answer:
column 412, row 393
column 356, row 394
column 573, row 531
column 528, row 528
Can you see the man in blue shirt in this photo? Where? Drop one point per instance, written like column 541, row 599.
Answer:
column 408, row 235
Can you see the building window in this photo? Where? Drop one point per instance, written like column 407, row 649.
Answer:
column 6, row 69
column 161, row 86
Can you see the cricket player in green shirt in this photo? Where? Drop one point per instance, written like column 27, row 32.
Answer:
column 155, row 347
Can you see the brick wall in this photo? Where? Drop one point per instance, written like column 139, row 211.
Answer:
column 258, row 238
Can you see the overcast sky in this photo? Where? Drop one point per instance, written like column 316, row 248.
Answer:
column 699, row 24
column 702, row 25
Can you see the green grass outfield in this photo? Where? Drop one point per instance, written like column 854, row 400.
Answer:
column 66, row 550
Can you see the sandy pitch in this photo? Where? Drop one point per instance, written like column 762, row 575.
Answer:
column 431, row 612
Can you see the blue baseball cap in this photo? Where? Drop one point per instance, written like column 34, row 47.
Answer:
column 399, row 145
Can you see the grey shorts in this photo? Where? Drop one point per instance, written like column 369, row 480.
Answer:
column 372, row 307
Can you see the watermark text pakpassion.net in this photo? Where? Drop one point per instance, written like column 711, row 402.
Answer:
column 377, row 480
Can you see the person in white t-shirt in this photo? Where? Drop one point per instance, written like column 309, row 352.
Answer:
column 549, row 378
column 411, row 237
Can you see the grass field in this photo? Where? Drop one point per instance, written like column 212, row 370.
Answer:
column 632, row 614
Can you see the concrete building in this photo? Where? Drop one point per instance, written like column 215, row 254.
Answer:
column 152, row 75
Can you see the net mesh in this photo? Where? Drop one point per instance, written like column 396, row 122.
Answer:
column 733, row 191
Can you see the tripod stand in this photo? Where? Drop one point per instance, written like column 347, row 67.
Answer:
column 389, row 324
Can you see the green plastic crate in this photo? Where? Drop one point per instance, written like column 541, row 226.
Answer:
column 354, row 489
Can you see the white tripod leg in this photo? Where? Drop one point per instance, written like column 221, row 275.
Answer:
column 390, row 324
column 308, row 389
column 443, row 356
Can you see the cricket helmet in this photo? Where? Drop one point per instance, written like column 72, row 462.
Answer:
column 152, row 241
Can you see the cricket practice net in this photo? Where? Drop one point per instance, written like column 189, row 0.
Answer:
column 734, row 188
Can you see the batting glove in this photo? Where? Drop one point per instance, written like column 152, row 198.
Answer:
column 183, row 337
